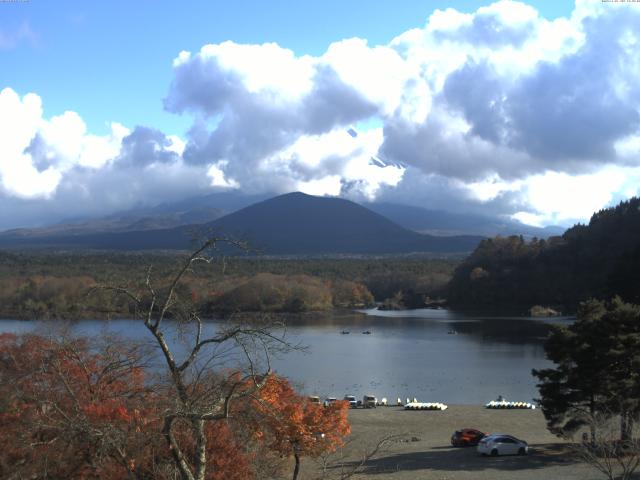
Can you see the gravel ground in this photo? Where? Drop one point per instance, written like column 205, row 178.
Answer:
column 425, row 451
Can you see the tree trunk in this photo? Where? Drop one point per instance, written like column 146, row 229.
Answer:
column 592, row 423
column 201, row 449
column 296, row 470
column 626, row 426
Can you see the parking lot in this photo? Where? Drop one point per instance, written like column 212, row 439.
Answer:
column 420, row 446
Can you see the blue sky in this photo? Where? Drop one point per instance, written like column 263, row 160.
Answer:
column 527, row 110
column 111, row 60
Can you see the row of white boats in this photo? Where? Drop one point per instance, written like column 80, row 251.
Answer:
column 510, row 405
column 425, row 406
column 369, row 401
column 493, row 404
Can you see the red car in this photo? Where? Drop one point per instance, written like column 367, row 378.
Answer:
column 466, row 437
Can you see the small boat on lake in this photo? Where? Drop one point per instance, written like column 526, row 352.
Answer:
column 366, row 332
column 345, row 332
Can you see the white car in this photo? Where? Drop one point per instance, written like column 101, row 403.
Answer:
column 330, row 401
column 353, row 403
column 500, row 444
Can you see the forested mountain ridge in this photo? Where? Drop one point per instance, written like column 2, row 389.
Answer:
column 597, row 260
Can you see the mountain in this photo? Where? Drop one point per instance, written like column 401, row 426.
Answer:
column 598, row 260
column 439, row 222
column 293, row 224
column 298, row 223
column 195, row 210
column 207, row 208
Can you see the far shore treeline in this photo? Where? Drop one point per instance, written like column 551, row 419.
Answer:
column 49, row 285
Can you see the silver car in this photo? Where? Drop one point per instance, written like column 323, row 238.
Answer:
column 501, row 444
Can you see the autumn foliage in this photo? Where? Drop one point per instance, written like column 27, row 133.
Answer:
column 293, row 423
column 72, row 410
column 67, row 412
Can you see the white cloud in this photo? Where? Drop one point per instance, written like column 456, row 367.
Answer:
column 218, row 178
column 329, row 185
column 264, row 69
column 19, row 121
column 561, row 198
column 381, row 75
column 490, row 188
column 35, row 152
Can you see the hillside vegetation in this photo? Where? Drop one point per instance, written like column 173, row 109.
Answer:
column 600, row 260
column 57, row 284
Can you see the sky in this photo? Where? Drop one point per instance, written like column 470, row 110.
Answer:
column 526, row 110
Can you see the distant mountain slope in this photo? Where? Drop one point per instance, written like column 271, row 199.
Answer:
column 294, row 223
column 124, row 222
column 194, row 210
column 600, row 260
column 439, row 222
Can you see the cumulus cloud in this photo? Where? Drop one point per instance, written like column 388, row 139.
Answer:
column 281, row 121
column 51, row 168
column 490, row 101
column 500, row 110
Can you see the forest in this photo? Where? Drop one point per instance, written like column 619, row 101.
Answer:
column 598, row 260
column 58, row 284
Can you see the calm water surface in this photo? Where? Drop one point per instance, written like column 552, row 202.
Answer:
column 433, row 355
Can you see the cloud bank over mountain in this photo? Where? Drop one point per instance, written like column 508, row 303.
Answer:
column 500, row 110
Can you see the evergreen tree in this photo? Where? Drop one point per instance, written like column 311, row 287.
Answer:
column 597, row 368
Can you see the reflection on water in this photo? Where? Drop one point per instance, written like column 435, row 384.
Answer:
column 434, row 355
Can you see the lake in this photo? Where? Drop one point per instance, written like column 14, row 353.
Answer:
column 433, row 355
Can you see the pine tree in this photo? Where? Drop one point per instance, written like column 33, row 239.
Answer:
column 597, row 369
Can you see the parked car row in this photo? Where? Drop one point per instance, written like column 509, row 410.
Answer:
column 493, row 444
column 368, row 401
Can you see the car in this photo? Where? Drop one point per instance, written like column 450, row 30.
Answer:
column 353, row 403
column 501, row 444
column 329, row 400
column 314, row 399
column 466, row 437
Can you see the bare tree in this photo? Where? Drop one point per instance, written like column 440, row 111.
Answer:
column 616, row 459
column 214, row 368
column 341, row 466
